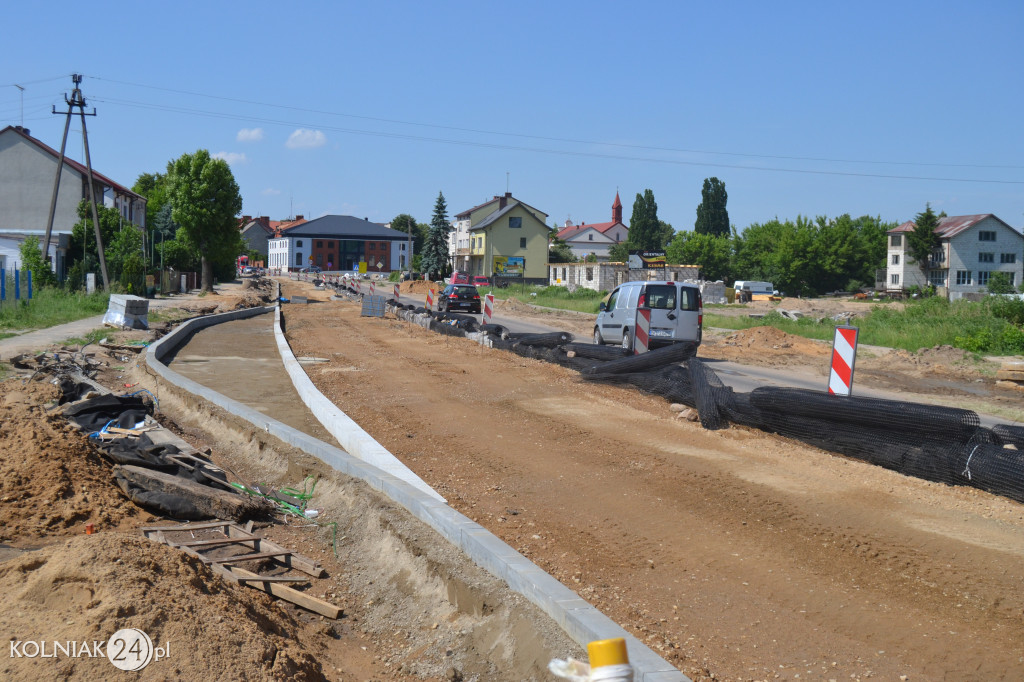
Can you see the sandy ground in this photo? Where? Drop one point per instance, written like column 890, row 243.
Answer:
column 735, row 554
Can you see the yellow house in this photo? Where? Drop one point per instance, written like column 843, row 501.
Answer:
column 507, row 238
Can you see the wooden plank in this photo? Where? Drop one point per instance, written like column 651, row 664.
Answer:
column 294, row 596
column 213, row 502
column 188, row 526
column 288, row 558
column 214, row 542
column 246, row 557
column 273, row 579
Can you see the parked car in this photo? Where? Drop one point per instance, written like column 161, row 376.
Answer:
column 677, row 314
column 481, row 281
column 311, row 269
column 459, row 297
column 459, row 278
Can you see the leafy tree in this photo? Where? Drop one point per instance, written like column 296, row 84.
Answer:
column 712, row 252
column 559, row 250
column 125, row 260
column 153, row 186
column 712, row 216
column 205, row 200
column 922, row 240
column 403, row 222
column 32, row 259
column 645, row 231
column 619, row 253
column 665, row 234
column 434, row 258
column 999, row 283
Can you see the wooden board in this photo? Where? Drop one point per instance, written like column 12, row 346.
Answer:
column 211, row 501
column 283, row 592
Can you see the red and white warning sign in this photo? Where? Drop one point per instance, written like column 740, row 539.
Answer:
column 430, row 299
column 844, row 354
column 398, row 291
column 371, row 288
column 488, row 308
column 641, row 339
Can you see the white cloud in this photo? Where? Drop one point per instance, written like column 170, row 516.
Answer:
column 233, row 158
column 250, row 135
column 270, row 192
column 306, row 139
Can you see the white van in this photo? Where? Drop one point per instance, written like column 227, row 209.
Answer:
column 754, row 287
column 677, row 313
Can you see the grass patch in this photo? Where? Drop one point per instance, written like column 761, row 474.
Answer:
column 95, row 336
column 921, row 324
column 582, row 300
column 49, row 307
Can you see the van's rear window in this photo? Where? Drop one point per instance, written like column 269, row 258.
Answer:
column 688, row 298
column 661, row 296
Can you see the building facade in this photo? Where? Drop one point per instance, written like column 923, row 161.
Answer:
column 27, row 171
column 503, row 238
column 971, row 248
column 338, row 243
column 595, row 239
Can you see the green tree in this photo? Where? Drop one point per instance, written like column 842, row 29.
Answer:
column 712, row 215
column 205, row 200
column 713, row 253
column 32, row 260
column 645, row 231
column 619, row 253
column 999, row 283
column 403, row 222
column 559, row 250
column 434, row 258
column 922, row 240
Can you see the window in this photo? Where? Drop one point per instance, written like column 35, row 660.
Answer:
column 983, row 277
column 986, row 236
column 1013, row 277
column 963, row 277
column 298, row 259
column 590, row 237
column 298, row 244
column 895, row 259
column 986, row 258
column 515, row 221
column 895, row 279
column 896, row 240
column 563, row 274
column 372, row 246
column 522, row 242
column 937, row 256
column 383, row 246
column 661, row 296
column 937, row 278
column 319, row 244
column 1007, row 258
column 590, row 274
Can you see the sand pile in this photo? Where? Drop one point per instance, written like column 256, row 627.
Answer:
column 52, row 482
column 87, row 588
column 775, row 339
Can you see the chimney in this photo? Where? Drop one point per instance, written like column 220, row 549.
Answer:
column 246, row 219
column 502, row 201
column 299, row 217
column 22, row 129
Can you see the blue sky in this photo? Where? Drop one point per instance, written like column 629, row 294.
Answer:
column 371, row 109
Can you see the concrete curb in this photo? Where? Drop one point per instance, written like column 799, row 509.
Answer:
column 581, row 621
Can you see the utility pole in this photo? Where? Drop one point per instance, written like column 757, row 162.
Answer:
column 22, row 90
column 77, row 100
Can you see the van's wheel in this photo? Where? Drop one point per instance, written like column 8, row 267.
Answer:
column 627, row 341
column 598, row 341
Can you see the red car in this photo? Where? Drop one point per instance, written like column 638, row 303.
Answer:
column 459, row 278
column 481, row 281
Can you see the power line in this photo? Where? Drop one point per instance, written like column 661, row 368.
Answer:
column 540, row 150
column 562, row 139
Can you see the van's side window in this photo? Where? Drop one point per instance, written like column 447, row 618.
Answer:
column 687, row 299
column 629, row 299
column 611, row 300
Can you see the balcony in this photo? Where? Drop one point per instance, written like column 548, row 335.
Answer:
column 462, row 252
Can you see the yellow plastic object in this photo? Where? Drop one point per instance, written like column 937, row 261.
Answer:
column 607, row 652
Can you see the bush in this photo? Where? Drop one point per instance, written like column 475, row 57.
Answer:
column 1013, row 339
column 999, row 283
column 1009, row 309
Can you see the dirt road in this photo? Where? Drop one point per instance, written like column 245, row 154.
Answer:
column 735, row 554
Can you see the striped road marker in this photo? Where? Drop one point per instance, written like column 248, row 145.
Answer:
column 430, row 299
column 488, row 308
column 844, row 355
column 398, row 291
column 372, row 287
column 641, row 339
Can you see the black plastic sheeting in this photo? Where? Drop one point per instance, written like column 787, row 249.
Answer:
column 95, row 414
column 942, row 444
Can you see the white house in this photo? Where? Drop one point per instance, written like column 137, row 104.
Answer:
column 595, row 239
column 27, row 171
column 971, row 248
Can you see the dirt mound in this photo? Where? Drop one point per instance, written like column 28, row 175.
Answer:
column 88, row 588
column 421, row 286
column 774, row 339
column 52, row 482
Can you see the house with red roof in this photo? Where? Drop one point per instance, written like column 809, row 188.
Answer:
column 595, row 238
column 27, row 171
column 971, row 249
column 256, row 232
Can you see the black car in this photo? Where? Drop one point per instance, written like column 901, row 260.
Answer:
column 459, row 297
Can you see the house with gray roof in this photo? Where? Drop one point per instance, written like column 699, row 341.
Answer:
column 338, row 243
column 971, row 248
